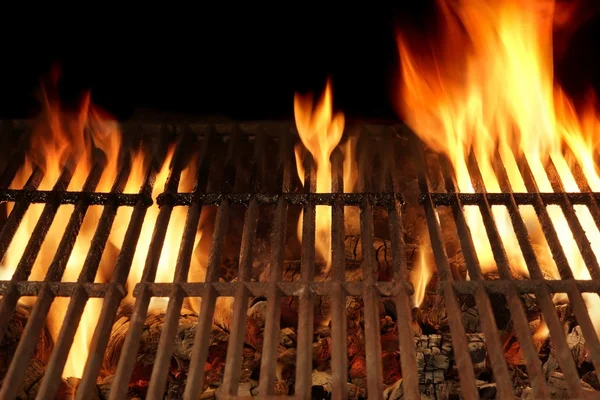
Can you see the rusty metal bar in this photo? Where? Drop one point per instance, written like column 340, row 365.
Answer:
column 370, row 295
column 408, row 356
column 542, row 294
column 233, row 361
column 195, row 381
column 158, row 379
column 515, row 305
column 339, row 330
column 268, row 361
column 565, row 271
column 306, row 309
column 299, row 199
column 51, row 380
column 7, row 233
column 138, row 319
column 473, row 199
column 37, row 321
column 68, row 197
column 10, row 299
column 461, row 353
column 484, row 306
column 115, row 293
column 195, row 289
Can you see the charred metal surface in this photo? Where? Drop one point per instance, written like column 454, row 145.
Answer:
column 64, row 197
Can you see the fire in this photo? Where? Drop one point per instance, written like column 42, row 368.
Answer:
column 320, row 131
column 60, row 139
column 420, row 277
column 488, row 88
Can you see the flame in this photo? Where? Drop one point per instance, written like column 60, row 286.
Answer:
column 62, row 139
column 487, row 88
column 420, row 277
column 320, row 131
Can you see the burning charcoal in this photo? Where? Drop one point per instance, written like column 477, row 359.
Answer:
column 255, row 325
column 557, row 386
column 321, row 386
column 13, row 334
column 487, row 390
column 576, row 343
column 394, row 392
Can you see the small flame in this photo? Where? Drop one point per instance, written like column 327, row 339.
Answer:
column 488, row 88
column 320, row 131
column 420, row 277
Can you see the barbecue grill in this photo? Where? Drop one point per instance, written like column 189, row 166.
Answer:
column 254, row 185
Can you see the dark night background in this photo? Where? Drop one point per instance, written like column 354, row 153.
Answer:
column 243, row 63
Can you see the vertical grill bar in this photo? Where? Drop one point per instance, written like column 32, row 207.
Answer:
column 195, row 381
column 584, row 187
column 37, row 320
column 370, row 294
column 339, row 331
column 158, row 380
column 233, row 361
column 132, row 340
column 268, row 362
column 115, row 292
column 9, row 301
column 408, row 356
column 515, row 305
column 51, row 380
column 461, row 349
column 307, row 297
column 488, row 321
column 543, row 295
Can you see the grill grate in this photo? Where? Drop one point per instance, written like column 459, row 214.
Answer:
column 274, row 288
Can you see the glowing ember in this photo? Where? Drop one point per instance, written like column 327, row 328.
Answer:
column 488, row 89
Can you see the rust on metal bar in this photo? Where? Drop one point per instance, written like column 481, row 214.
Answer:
column 339, row 330
column 461, row 353
column 51, row 380
column 195, row 381
column 370, row 295
column 25, row 265
column 37, row 320
column 158, row 379
column 515, row 305
column 140, row 311
column 268, row 361
column 113, row 297
column 408, row 356
column 557, row 334
column 307, row 296
column 233, row 361
column 473, row 199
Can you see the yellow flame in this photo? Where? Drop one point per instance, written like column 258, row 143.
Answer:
column 320, row 131
column 487, row 88
column 420, row 277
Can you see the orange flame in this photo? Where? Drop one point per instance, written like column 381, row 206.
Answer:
column 491, row 89
column 320, row 131
column 61, row 136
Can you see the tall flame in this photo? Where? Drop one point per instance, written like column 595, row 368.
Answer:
column 320, row 131
column 488, row 87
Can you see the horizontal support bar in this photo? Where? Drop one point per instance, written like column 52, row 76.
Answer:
column 59, row 289
column 348, row 199
column 46, row 196
column 256, row 289
column 473, row 199
column 527, row 286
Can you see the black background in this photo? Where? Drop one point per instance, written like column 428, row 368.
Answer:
column 241, row 62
